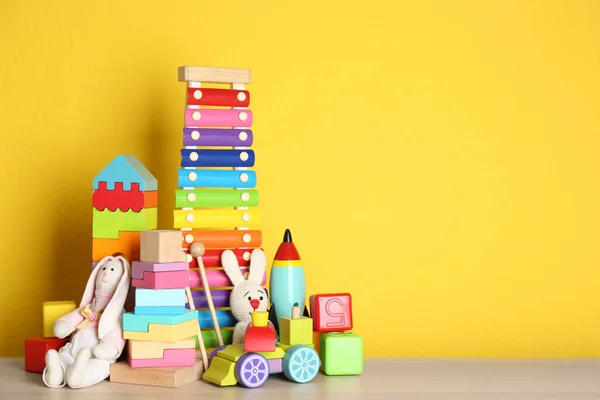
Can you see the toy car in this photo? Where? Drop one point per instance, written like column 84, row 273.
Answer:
column 233, row 364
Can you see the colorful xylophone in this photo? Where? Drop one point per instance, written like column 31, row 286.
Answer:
column 216, row 202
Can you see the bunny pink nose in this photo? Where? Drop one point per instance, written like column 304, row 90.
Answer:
column 254, row 303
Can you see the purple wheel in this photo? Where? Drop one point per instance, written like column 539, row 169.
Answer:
column 214, row 353
column 252, row 370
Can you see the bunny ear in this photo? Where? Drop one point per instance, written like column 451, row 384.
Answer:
column 113, row 310
column 231, row 267
column 258, row 266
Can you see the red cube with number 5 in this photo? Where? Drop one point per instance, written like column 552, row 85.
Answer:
column 331, row 312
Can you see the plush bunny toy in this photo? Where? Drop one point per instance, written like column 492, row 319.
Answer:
column 97, row 323
column 247, row 295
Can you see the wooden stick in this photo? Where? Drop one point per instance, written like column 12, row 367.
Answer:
column 188, row 293
column 197, row 251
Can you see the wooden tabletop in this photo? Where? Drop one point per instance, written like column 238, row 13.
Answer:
column 382, row 379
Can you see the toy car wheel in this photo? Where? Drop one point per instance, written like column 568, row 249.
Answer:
column 301, row 364
column 252, row 370
column 214, row 353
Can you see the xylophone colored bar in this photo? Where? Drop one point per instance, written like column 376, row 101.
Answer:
column 220, row 298
column 209, row 336
column 225, row 318
column 217, row 158
column 217, row 97
column 223, row 239
column 217, row 137
column 195, row 117
column 216, row 198
column 216, row 278
column 212, row 258
column 216, row 218
column 216, row 179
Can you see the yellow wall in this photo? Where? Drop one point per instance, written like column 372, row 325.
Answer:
column 439, row 160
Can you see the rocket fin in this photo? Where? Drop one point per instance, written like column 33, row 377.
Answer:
column 273, row 318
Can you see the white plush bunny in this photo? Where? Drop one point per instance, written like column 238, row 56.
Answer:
column 247, row 295
column 97, row 323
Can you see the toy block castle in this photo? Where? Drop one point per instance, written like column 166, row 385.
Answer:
column 217, row 198
column 125, row 200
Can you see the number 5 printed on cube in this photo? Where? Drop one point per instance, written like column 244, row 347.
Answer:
column 331, row 312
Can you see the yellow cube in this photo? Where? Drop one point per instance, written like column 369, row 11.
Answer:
column 53, row 310
column 296, row 330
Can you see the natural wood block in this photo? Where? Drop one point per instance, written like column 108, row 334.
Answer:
column 160, row 246
column 172, row 377
column 214, row 75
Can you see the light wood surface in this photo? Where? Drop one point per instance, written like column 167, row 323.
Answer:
column 382, row 379
column 214, row 75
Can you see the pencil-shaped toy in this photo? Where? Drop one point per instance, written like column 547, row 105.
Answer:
column 287, row 280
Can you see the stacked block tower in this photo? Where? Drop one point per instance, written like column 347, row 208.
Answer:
column 217, row 198
column 125, row 202
column 340, row 349
column 160, row 330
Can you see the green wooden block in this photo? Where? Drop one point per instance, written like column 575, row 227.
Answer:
column 341, row 353
column 216, row 198
column 107, row 224
column 211, row 341
column 296, row 331
column 221, row 372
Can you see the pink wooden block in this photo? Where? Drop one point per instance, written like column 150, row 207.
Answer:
column 209, row 117
column 163, row 280
column 216, row 278
column 138, row 268
column 171, row 358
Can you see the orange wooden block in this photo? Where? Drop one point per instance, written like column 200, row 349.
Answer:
column 128, row 244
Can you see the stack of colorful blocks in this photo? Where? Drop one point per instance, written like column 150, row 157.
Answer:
column 37, row 347
column 341, row 350
column 125, row 201
column 160, row 330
